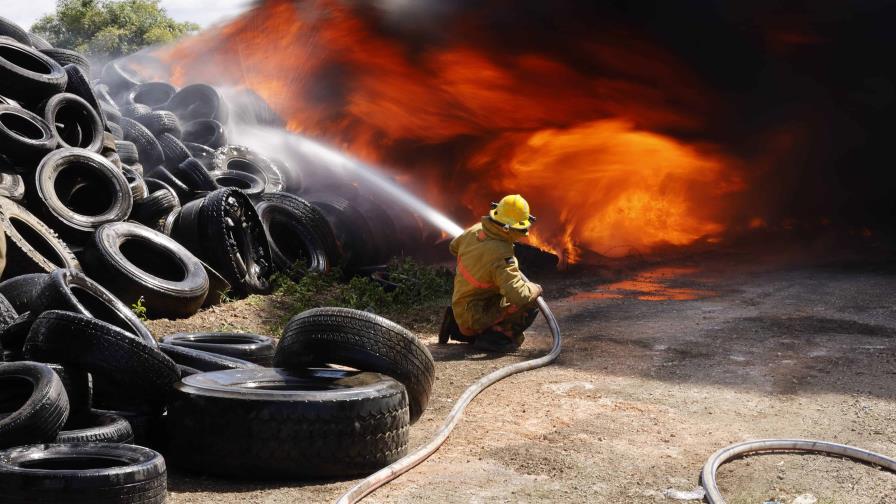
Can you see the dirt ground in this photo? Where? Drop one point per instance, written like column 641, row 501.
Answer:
column 661, row 366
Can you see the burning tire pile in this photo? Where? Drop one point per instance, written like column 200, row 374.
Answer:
column 115, row 190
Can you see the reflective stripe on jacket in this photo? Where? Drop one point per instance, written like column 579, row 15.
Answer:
column 488, row 283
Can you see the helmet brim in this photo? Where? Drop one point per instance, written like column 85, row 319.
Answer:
column 519, row 226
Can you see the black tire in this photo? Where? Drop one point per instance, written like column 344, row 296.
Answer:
column 184, row 371
column 127, row 151
column 243, row 159
column 183, row 192
column 12, row 186
column 360, row 340
column 387, row 240
column 315, row 423
column 157, row 205
column 186, row 228
column 21, row 291
column 79, row 85
column 8, row 313
column 202, row 360
column 96, row 427
column 159, row 122
column 147, row 146
column 10, row 29
column 194, row 175
column 198, row 101
column 31, row 247
column 78, row 389
column 112, row 156
column 135, row 110
column 248, row 347
column 110, row 113
column 24, row 136
column 79, row 473
column 225, row 232
column 109, row 140
column 207, row 132
column 201, row 153
column 154, row 95
column 293, row 181
column 173, row 150
column 164, row 225
column 103, row 94
column 235, row 243
column 72, row 291
column 136, row 262
column 251, row 185
column 132, row 369
column 411, row 230
column 148, row 428
column 119, row 78
column 27, row 75
column 115, row 130
column 34, row 395
column 310, row 216
column 139, row 191
column 79, row 191
column 66, row 57
column 38, row 42
column 355, row 239
column 14, row 335
column 291, row 227
column 74, row 122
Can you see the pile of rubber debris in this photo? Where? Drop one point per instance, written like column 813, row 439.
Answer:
column 115, row 190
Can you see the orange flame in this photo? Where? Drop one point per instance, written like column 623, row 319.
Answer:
column 466, row 124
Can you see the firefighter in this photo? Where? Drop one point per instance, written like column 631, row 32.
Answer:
column 492, row 303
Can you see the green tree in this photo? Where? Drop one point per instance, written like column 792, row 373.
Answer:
column 109, row 28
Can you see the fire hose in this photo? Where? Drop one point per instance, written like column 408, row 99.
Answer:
column 708, row 476
column 385, row 475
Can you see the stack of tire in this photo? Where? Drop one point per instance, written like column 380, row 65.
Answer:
column 83, row 374
column 83, row 383
column 116, row 191
column 136, row 185
column 303, row 418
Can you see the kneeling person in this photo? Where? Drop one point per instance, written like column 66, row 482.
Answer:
column 492, row 303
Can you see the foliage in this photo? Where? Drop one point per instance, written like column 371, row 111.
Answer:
column 110, row 28
column 224, row 297
column 139, row 309
column 404, row 285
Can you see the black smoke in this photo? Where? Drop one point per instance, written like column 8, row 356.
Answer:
column 802, row 92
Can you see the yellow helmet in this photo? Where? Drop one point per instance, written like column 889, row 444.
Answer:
column 513, row 212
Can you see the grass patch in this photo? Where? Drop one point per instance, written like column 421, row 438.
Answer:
column 410, row 293
column 139, row 310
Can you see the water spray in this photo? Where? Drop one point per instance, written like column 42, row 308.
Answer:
column 290, row 146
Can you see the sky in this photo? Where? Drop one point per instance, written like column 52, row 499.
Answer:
column 203, row 12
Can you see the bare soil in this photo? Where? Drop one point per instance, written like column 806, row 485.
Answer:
column 662, row 365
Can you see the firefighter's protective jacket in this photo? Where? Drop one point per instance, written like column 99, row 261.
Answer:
column 488, row 284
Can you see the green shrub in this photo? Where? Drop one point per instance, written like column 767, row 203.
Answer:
column 139, row 309
column 410, row 285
